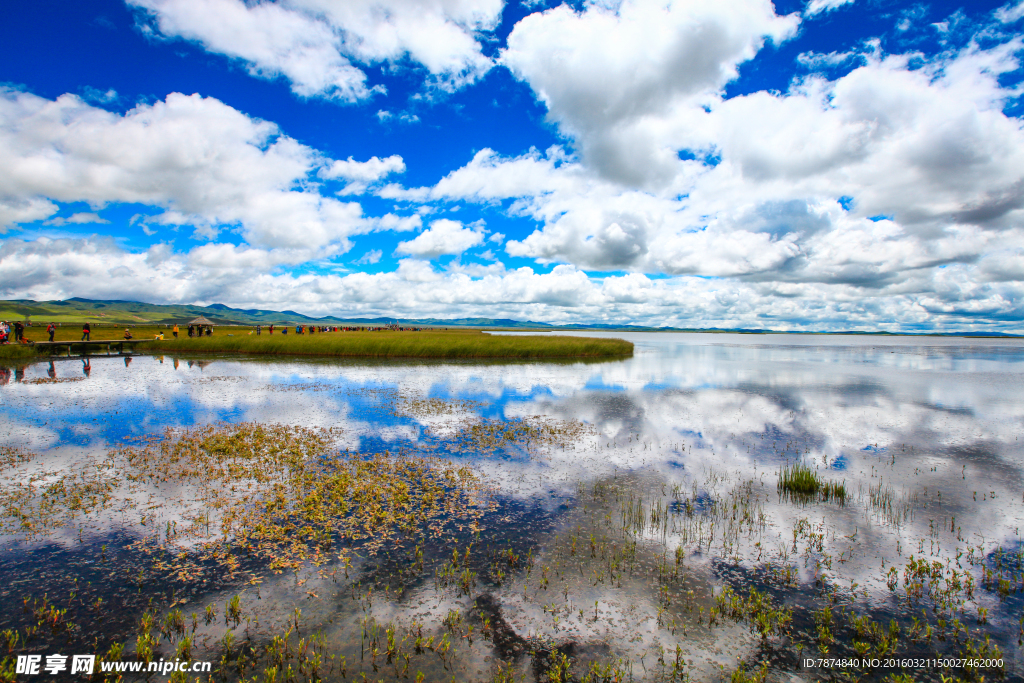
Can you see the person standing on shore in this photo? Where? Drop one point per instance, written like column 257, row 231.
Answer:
column 85, row 332
column 174, row 330
column 51, row 329
column 19, row 332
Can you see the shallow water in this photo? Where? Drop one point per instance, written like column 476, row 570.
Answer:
column 694, row 429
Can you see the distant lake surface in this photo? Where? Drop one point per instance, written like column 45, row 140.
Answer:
column 643, row 491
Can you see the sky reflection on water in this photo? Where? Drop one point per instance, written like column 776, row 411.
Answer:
column 739, row 402
column 936, row 419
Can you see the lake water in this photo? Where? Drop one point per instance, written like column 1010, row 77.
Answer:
column 640, row 520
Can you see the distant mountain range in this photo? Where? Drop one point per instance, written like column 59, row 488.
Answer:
column 138, row 313
column 77, row 310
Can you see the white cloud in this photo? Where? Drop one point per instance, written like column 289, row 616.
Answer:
column 360, row 174
column 370, row 257
column 489, row 177
column 313, row 43
column 365, row 171
column 819, row 6
column 1010, row 13
column 929, row 147
column 398, row 223
column 443, row 237
column 78, row 219
column 15, row 210
column 607, row 75
column 819, row 60
column 204, row 162
column 270, row 38
column 90, row 94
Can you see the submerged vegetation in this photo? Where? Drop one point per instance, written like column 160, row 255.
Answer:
column 800, row 482
column 288, row 553
column 280, row 494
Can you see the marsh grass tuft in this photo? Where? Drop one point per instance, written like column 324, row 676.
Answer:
column 801, row 483
column 799, row 479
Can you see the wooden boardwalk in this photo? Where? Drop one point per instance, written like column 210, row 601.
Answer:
column 83, row 347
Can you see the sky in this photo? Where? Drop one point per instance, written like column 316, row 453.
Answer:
column 821, row 165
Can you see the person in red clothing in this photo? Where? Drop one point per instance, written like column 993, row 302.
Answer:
column 51, row 329
column 85, row 332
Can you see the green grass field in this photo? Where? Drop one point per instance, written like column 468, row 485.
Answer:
column 444, row 344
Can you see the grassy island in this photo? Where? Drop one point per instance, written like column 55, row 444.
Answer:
column 441, row 344
column 386, row 344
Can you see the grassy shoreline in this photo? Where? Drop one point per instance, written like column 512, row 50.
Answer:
column 435, row 344
column 442, row 345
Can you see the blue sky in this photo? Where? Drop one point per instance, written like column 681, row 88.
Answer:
column 802, row 165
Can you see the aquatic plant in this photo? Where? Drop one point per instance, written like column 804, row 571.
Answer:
column 895, row 509
column 682, row 558
column 799, row 479
column 803, row 484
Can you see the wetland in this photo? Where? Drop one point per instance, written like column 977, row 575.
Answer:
column 713, row 507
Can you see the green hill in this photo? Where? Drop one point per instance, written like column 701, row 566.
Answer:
column 78, row 310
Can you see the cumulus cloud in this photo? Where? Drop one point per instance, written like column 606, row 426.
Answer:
column 365, row 171
column 605, row 75
column 798, row 182
column 360, row 174
column 313, row 43
column 15, row 210
column 207, row 164
column 444, row 237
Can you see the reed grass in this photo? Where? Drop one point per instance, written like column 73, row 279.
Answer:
column 799, row 479
column 16, row 352
column 423, row 344
column 802, row 483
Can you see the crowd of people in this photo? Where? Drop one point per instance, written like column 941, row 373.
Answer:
column 12, row 333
